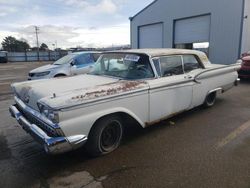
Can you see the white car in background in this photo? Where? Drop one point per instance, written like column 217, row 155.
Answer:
column 69, row 65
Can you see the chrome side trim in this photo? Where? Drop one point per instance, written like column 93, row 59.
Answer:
column 128, row 94
column 176, row 84
column 52, row 145
column 215, row 90
column 104, row 99
column 218, row 68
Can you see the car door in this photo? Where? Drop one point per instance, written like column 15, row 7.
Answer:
column 172, row 92
column 193, row 67
column 82, row 64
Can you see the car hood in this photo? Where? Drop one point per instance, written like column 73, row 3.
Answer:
column 30, row 92
column 115, row 88
column 45, row 68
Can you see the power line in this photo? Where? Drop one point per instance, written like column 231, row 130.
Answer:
column 37, row 43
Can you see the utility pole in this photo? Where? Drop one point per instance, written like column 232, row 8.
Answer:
column 37, row 43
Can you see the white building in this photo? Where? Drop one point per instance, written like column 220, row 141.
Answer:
column 220, row 27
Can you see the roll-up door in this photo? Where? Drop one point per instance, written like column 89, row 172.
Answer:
column 151, row 36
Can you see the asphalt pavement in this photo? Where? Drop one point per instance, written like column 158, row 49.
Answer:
column 199, row 148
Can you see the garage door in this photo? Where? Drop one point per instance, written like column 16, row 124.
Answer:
column 151, row 36
column 192, row 30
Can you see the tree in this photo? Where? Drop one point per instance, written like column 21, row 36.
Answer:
column 44, row 47
column 11, row 44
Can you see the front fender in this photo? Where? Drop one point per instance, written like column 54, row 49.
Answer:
column 83, row 124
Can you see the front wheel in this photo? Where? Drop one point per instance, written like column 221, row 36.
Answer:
column 210, row 99
column 59, row 75
column 105, row 136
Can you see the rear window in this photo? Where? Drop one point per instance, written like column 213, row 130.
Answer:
column 171, row 65
column 190, row 63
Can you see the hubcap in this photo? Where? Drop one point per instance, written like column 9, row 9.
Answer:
column 111, row 135
column 211, row 98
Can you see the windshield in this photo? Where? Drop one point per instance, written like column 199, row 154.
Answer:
column 123, row 66
column 65, row 59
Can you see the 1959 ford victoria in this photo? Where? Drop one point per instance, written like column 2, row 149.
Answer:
column 146, row 86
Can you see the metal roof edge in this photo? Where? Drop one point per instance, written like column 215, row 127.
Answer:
column 242, row 27
column 131, row 18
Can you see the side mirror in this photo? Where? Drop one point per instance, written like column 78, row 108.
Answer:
column 72, row 63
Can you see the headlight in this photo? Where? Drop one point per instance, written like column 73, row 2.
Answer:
column 40, row 74
column 48, row 113
column 13, row 90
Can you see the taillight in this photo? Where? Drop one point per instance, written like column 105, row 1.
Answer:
column 246, row 61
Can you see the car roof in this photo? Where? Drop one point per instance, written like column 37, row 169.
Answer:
column 85, row 52
column 162, row 52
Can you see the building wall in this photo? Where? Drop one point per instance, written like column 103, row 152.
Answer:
column 225, row 31
column 246, row 28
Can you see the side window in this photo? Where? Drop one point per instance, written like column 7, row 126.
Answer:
column 157, row 66
column 190, row 63
column 171, row 65
column 96, row 56
column 84, row 59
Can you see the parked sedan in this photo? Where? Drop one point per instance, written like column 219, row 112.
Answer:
column 144, row 86
column 72, row 64
column 244, row 72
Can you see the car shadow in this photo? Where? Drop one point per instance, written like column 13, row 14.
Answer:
column 43, row 166
column 244, row 81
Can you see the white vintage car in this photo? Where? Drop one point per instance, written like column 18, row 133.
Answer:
column 146, row 86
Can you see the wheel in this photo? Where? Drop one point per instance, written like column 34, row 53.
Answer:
column 210, row 99
column 105, row 136
column 59, row 75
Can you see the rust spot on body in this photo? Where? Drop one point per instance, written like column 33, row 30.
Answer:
column 148, row 124
column 110, row 89
column 24, row 93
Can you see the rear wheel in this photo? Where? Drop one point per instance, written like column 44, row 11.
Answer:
column 210, row 99
column 105, row 136
column 59, row 75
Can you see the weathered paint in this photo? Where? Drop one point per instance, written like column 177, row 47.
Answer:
column 39, row 89
column 169, row 51
column 110, row 89
column 24, row 93
column 82, row 100
column 148, row 124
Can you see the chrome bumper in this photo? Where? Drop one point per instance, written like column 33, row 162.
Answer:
column 52, row 145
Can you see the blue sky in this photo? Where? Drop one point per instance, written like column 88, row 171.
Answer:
column 86, row 23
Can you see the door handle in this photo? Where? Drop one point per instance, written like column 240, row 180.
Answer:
column 189, row 77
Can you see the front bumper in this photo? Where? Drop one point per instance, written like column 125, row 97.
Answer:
column 52, row 145
column 40, row 77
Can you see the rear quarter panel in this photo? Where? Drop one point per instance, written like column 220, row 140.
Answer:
column 223, row 77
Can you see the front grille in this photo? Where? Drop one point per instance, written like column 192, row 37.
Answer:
column 42, row 125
